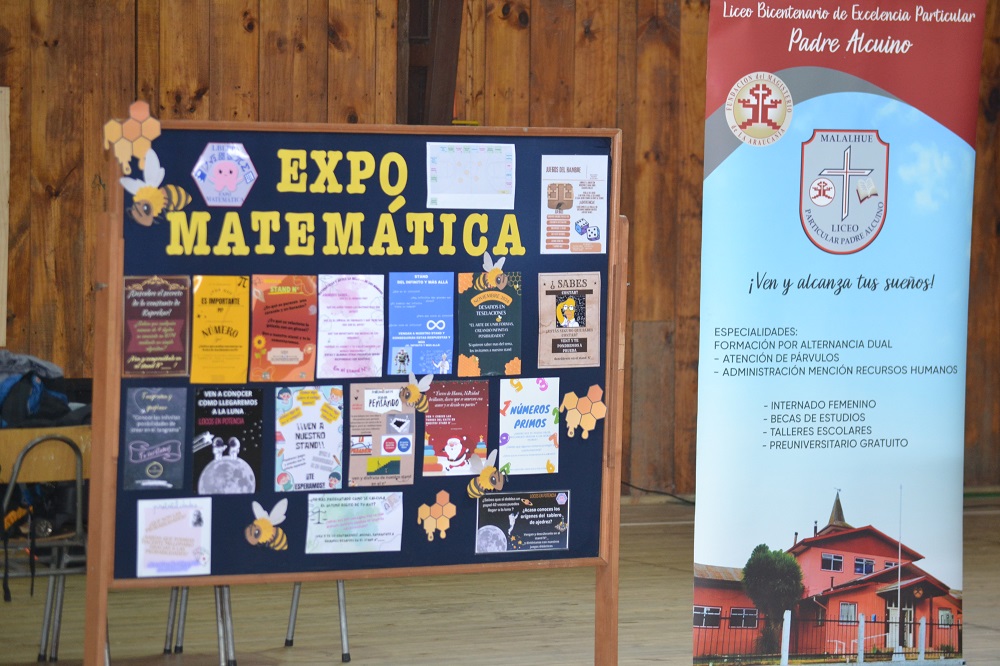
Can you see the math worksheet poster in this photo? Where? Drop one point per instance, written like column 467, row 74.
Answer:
column 228, row 436
column 569, row 320
column 308, row 438
column 456, row 428
column 283, row 323
column 155, row 419
column 421, row 323
column 156, row 337
column 351, row 326
column 354, row 523
column 174, row 537
column 383, row 435
column 529, row 425
column 574, row 207
column 220, row 340
column 489, row 321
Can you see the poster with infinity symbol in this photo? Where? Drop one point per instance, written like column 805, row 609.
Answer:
column 421, row 323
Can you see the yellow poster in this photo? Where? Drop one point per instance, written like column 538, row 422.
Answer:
column 220, row 340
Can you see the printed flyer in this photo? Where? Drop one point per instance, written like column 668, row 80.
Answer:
column 309, row 438
column 522, row 522
column 489, row 321
column 351, row 318
column 155, row 419
column 283, row 328
column 227, row 440
column 529, row 425
column 354, row 523
column 421, row 323
column 156, row 337
column 174, row 537
column 383, row 436
column 456, row 428
column 569, row 320
column 471, row 175
column 835, row 277
column 220, row 346
column 574, row 207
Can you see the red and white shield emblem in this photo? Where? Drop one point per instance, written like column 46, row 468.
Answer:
column 843, row 189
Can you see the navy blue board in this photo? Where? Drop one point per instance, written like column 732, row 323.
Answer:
column 580, row 460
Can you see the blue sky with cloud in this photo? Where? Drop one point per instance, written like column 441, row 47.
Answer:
column 749, row 494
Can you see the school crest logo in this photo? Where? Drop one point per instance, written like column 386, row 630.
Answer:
column 759, row 109
column 843, row 189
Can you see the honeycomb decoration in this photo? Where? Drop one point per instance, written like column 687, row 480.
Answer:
column 437, row 517
column 583, row 412
column 133, row 136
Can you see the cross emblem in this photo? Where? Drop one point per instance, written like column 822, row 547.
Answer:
column 844, row 173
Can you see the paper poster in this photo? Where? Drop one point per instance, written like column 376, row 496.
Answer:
column 155, row 419
column 227, row 440
column 574, row 207
column 351, row 323
column 283, row 328
column 569, row 320
column 834, row 316
column 456, row 427
column 421, row 323
column 174, row 537
column 478, row 176
column 489, row 321
column 383, row 436
column 156, row 336
column 309, row 438
column 507, row 522
column 220, row 338
column 529, row 425
column 354, row 523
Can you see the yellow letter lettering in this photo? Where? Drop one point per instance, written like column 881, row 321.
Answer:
column 264, row 223
column 188, row 238
column 362, row 168
column 343, row 237
column 231, row 240
column 385, row 238
column 292, row 163
column 509, row 235
column 300, row 230
column 475, row 220
column 326, row 161
column 417, row 224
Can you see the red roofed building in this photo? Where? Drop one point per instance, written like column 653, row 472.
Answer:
column 847, row 572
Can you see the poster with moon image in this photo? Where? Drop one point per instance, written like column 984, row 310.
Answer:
column 522, row 521
column 227, row 440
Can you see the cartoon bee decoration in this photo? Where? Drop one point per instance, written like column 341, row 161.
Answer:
column 264, row 531
column 489, row 477
column 492, row 276
column 412, row 393
column 149, row 200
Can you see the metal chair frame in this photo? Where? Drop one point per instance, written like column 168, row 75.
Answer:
column 67, row 553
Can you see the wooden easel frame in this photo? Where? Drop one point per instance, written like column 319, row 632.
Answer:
column 107, row 391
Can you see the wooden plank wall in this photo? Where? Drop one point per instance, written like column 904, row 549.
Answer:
column 634, row 64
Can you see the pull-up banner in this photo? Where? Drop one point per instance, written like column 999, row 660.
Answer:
column 839, row 158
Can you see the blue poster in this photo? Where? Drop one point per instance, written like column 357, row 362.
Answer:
column 421, row 323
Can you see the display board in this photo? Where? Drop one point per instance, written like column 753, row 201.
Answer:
column 380, row 351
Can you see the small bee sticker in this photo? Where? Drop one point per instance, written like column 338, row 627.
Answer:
column 492, row 276
column 149, row 200
column 264, row 531
column 412, row 394
column 489, row 477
